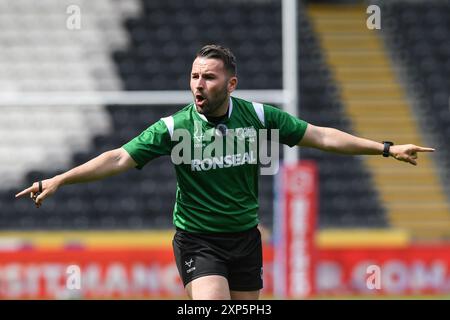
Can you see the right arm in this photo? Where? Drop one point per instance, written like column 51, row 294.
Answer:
column 105, row 165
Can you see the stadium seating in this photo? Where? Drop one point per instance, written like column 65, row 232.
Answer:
column 40, row 53
column 414, row 31
column 370, row 86
column 162, row 40
column 347, row 195
column 419, row 35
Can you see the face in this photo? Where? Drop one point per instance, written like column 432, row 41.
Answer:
column 211, row 86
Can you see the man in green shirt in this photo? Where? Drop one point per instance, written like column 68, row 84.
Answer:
column 213, row 143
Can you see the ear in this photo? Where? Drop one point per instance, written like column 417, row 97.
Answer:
column 232, row 84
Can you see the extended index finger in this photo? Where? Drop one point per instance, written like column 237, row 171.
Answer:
column 27, row 190
column 423, row 149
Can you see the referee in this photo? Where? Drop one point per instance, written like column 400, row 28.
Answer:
column 217, row 244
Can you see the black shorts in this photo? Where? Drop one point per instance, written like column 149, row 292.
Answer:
column 236, row 256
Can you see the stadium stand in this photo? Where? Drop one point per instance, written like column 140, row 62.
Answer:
column 421, row 36
column 414, row 31
column 378, row 107
column 156, row 58
column 39, row 53
column 347, row 195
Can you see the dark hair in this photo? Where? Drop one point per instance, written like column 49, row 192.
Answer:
column 213, row 51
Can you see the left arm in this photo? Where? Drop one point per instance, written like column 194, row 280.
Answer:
column 333, row 140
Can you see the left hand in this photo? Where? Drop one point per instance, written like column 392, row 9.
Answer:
column 407, row 152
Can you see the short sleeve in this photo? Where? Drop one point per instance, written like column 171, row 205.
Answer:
column 291, row 129
column 150, row 144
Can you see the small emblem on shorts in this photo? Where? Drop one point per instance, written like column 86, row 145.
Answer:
column 188, row 263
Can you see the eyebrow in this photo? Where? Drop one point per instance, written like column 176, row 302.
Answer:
column 205, row 73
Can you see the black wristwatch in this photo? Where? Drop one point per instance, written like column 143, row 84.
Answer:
column 387, row 146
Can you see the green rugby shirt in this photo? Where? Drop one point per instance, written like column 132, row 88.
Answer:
column 216, row 192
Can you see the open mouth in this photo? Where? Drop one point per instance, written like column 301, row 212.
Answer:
column 199, row 99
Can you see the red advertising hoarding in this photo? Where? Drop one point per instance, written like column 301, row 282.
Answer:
column 152, row 273
column 104, row 273
column 414, row 270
